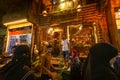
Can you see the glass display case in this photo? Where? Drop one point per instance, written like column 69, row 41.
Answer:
column 82, row 37
column 19, row 36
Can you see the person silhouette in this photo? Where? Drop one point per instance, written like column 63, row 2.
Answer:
column 46, row 65
column 19, row 67
column 65, row 51
column 97, row 66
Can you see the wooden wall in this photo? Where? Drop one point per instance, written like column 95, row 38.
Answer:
column 110, row 15
column 91, row 13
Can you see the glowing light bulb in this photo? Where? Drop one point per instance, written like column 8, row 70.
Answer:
column 44, row 13
column 62, row 0
column 79, row 8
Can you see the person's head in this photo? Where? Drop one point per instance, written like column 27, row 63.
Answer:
column 101, row 53
column 21, row 58
column 63, row 37
column 49, row 49
column 98, row 61
column 13, row 49
column 21, row 52
column 74, row 47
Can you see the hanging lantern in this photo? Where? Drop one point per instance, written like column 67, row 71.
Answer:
column 44, row 13
column 79, row 8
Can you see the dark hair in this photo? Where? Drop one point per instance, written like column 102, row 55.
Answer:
column 20, row 59
column 103, row 52
column 98, row 61
column 14, row 46
column 22, row 52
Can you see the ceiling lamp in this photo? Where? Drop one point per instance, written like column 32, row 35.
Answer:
column 44, row 13
column 66, row 5
column 62, row 6
column 62, row 0
column 79, row 8
column 54, row 2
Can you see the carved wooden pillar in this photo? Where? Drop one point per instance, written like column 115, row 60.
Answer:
column 110, row 14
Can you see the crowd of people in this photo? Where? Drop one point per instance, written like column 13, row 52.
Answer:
column 102, row 63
